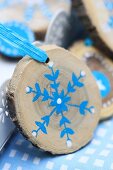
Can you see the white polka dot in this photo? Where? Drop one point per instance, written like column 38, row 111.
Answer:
column 63, row 167
column 112, row 137
column 105, row 152
column 108, row 123
column 49, row 165
column 90, row 151
column 110, row 146
column 36, row 160
column 111, row 166
column 25, row 157
column 1, row 110
column 19, row 168
column 6, row 166
column 84, row 159
column 50, row 64
column 12, row 153
column 101, row 132
column 30, row 146
column 99, row 163
column 19, row 142
column 70, row 157
column 96, row 142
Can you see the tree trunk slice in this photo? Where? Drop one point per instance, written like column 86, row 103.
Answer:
column 24, row 112
column 96, row 61
column 94, row 16
column 42, row 14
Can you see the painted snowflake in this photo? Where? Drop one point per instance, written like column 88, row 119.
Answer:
column 60, row 102
column 3, row 107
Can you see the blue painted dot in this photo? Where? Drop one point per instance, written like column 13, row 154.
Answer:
column 22, row 30
column 110, row 21
column 88, row 42
column 109, row 5
column 103, row 83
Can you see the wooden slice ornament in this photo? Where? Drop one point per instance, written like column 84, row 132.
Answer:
column 102, row 69
column 56, row 105
column 59, row 22
column 36, row 13
column 97, row 17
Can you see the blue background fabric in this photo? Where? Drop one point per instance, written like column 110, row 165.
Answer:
column 19, row 154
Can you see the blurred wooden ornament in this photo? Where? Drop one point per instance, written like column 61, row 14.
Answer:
column 36, row 14
column 96, row 17
column 102, row 69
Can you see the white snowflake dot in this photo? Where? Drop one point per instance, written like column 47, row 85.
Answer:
column 6, row 113
column 50, row 64
column 2, row 93
column 93, row 110
column 34, row 134
column 1, row 110
column 83, row 73
column 3, row 102
column 69, row 143
column 59, row 101
column 27, row 89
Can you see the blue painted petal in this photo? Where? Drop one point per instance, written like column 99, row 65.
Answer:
column 56, row 74
column 36, row 98
column 67, row 99
column 37, row 88
column 74, row 78
column 49, row 77
column 46, row 119
column 64, row 108
column 41, row 126
column 58, row 109
column 55, row 95
column 53, row 103
column 76, row 82
column 66, row 131
column 46, row 95
column 64, row 120
column 79, row 84
column 54, row 86
column 62, row 94
column 43, row 129
column 70, row 88
column 69, row 131
column 83, row 106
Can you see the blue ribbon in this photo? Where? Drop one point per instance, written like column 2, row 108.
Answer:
column 19, row 42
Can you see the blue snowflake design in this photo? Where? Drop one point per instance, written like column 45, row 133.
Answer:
column 31, row 8
column 60, row 102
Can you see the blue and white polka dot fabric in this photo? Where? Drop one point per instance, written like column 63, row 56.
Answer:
column 22, row 30
column 19, row 154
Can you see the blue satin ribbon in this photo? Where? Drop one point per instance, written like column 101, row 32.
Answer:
column 19, row 42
